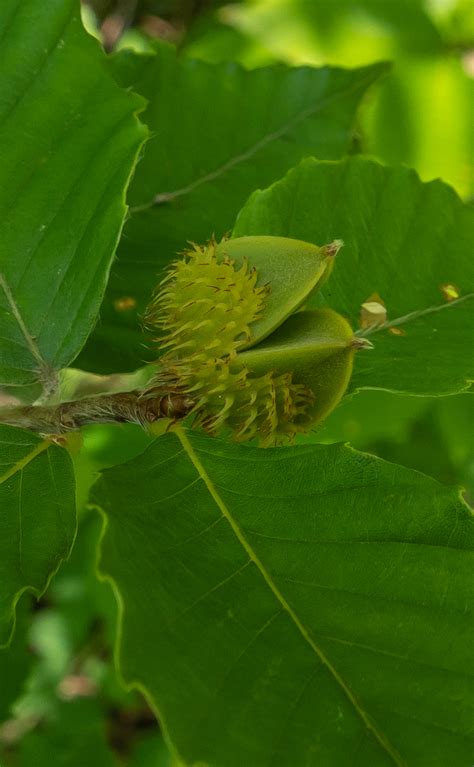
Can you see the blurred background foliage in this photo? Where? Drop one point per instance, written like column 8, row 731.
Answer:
column 419, row 116
column 61, row 701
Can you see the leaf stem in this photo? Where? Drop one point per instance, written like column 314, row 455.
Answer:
column 412, row 316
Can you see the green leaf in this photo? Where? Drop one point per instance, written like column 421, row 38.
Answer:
column 152, row 752
column 218, row 132
column 291, row 29
column 16, row 662
column 371, row 417
column 404, row 240
column 430, row 434
column 412, row 98
column 84, row 602
column 305, row 605
column 37, row 519
column 70, row 139
column 77, row 737
column 401, row 122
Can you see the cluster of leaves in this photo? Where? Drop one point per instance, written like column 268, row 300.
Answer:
column 303, row 605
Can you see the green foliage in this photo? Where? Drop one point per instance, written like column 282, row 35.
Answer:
column 407, row 119
column 223, row 133
column 37, row 522
column 254, row 613
column 77, row 737
column 69, row 141
column 227, row 605
column 15, row 663
column 399, row 235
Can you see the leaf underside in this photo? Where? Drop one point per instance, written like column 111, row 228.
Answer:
column 306, row 605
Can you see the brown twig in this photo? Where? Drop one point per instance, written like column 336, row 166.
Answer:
column 141, row 407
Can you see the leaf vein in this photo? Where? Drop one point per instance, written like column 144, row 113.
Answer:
column 249, row 153
column 379, row 736
column 214, row 588
column 20, row 465
column 35, row 352
column 378, row 651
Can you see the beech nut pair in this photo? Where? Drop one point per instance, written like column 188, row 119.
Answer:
column 237, row 344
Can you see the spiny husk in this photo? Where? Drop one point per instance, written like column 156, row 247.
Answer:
column 205, row 307
column 206, row 310
column 229, row 398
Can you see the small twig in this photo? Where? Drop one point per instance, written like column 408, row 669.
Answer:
column 412, row 316
column 142, row 407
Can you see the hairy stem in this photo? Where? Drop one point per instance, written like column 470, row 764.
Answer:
column 141, row 407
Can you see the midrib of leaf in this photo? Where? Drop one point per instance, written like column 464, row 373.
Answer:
column 411, row 316
column 379, row 736
column 46, row 374
column 20, row 465
column 161, row 197
column 35, row 352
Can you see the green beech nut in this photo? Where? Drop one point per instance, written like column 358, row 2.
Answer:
column 205, row 305
column 231, row 399
column 268, row 384
column 211, row 301
column 285, row 385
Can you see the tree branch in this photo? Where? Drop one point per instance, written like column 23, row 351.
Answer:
column 142, row 407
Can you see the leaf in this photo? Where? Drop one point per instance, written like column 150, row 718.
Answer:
column 218, row 132
column 407, row 21
column 372, row 417
column 37, row 518
column 430, row 434
column 401, row 123
column 15, row 663
column 84, row 602
column 305, row 605
column 70, row 139
column 404, row 240
column 291, row 29
column 152, row 752
column 76, row 737
column 411, row 99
